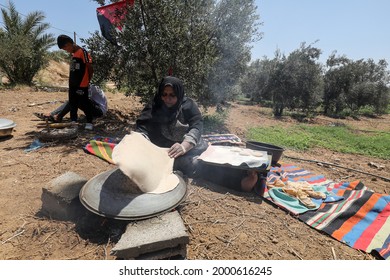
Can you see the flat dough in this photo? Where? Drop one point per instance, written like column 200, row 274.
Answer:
column 245, row 152
column 148, row 165
column 257, row 153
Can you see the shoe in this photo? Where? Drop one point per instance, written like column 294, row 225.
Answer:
column 43, row 117
column 89, row 126
column 40, row 116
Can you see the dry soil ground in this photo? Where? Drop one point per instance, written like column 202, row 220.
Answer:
column 222, row 224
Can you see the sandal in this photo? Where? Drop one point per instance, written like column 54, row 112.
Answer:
column 40, row 116
column 44, row 117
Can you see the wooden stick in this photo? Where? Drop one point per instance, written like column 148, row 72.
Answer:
column 15, row 235
column 294, row 252
column 55, row 125
column 49, row 236
column 42, row 103
column 334, row 254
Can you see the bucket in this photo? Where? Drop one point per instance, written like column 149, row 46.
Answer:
column 270, row 149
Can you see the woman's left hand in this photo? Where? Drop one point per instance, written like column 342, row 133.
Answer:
column 176, row 150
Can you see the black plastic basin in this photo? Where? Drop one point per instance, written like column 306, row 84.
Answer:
column 276, row 151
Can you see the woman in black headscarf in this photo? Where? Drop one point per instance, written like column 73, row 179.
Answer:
column 174, row 121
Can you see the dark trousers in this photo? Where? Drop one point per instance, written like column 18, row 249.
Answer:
column 64, row 109
column 78, row 99
column 188, row 163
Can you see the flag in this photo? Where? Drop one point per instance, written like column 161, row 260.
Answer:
column 110, row 18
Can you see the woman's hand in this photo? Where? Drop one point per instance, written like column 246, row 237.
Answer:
column 178, row 149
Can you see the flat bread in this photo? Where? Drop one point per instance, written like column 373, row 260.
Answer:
column 257, row 153
column 146, row 164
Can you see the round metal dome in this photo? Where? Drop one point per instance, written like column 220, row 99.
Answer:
column 112, row 194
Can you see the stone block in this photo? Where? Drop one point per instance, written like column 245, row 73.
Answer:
column 60, row 197
column 159, row 237
column 177, row 253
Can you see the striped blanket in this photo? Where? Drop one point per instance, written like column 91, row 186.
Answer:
column 101, row 147
column 293, row 173
column 360, row 220
column 223, row 139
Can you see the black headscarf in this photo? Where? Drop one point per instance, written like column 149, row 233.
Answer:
column 156, row 118
column 157, row 111
column 160, row 112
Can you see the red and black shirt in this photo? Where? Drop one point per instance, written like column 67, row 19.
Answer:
column 79, row 76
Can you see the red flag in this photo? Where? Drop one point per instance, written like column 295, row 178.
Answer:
column 110, row 18
column 170, row 71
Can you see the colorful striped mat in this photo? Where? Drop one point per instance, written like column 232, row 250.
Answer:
column 293, row 173
column 361, row 220
column 101, row 147
column 223, row 139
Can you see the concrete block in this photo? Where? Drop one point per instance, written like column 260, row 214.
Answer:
column 152, row 236
column 177, row 253
column 60, row 197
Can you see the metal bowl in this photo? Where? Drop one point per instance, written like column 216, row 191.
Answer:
column 6, row 127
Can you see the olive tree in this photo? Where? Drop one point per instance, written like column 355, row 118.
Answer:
column 203, row 42
column 352, row 85
column 291, row 82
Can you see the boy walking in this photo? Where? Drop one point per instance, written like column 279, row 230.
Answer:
column 80, row 75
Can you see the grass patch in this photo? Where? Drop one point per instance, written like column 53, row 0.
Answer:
column 339, row 139
column 215, row 123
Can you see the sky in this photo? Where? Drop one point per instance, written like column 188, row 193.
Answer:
column 358, row 29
